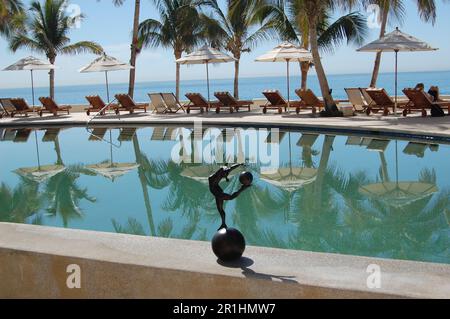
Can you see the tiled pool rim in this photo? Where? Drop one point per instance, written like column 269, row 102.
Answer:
column 34, row 262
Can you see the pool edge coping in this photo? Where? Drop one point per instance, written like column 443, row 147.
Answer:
column 333, row 274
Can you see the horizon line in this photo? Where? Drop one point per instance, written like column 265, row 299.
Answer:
column 228, row 78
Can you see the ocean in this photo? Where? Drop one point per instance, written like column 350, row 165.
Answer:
column 250, row 88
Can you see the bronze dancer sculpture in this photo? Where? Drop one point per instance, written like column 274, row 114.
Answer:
column 228, row 243
column 218, row 192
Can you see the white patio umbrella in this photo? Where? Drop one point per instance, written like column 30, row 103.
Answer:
column 286, row 52
column 105, row 63
column 206, row 55
column 396, row 41
column 30, row 64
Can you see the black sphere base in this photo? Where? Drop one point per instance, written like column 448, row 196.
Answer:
column 228, row 244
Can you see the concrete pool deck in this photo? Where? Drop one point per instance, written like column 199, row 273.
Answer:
column 35, row 263
column 411, row 125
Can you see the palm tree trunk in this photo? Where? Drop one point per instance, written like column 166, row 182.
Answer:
column 134, row 47
column 236, row 79
column 304, row 68
column 59, row 160
column 330, row 106
column 321, row 170
column 376, row 66
column 52, row 78
column 148, row 207
column 177, row 75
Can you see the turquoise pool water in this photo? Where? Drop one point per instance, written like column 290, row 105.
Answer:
column 368, row 196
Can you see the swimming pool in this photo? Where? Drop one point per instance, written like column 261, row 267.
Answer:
column 359, row 195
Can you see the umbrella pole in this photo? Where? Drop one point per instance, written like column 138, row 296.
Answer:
column 32, row 86
column 288, row 88
column 110, row 147
column 396, row 82
column 107, row 85
column 396, row 162
column 207, row 80
column 37, row 149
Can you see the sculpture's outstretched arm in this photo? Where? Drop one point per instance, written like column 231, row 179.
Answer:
column 230, row 169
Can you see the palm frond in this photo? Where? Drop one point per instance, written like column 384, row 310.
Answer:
column 351, row 28
column 82, row 47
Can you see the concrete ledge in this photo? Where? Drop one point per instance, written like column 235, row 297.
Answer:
column 33, row 261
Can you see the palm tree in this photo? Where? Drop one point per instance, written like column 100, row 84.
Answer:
column 178, row 29
column 134, row 43
column 46, row 31
column 238, row 30
column 291, row 23
column 396, row 9
column 315, row 12
column 11, row 14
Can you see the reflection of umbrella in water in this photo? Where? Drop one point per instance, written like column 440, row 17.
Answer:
column 109, row 169
column 289, row 178
column 398, row 193
column 112, row 170
column 40, row 173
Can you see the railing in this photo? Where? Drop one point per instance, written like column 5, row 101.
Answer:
column 106, row 107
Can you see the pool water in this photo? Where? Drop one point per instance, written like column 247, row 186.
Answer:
column 367, row 196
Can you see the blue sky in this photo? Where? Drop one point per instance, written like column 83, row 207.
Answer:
column 111, row 27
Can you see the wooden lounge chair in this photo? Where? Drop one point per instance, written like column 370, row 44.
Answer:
column 356, row 99
column 276, row 101
column 158, row 104
column 21, row 107
column 50, row 106
column 127, row 104
column 7, row 107
column 197, row 101
column 310, row 100
column 381, row 101
column 420, row 101
column 172, row 103
column 229, row 101
column 96, row 104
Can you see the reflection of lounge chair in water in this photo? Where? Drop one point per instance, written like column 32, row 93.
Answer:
column 168, row 135
column 354, row 140
column 270, row 140
column 417, row 149
column 98, row 134
column 307, row 140
column 51, row 134
column 22, row 135
column 9, row 135
column 378, row 145
column 126, row 134
column 158, row 133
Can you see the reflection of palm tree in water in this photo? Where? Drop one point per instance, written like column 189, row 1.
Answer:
column 62, row 191
column 185, row 194
column 18, row 204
